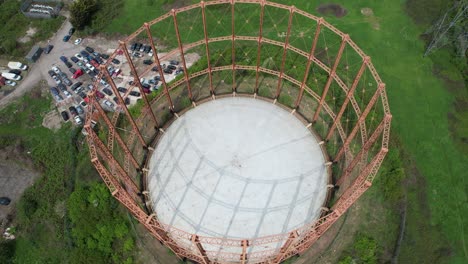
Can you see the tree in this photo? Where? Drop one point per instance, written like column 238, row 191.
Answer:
column 81, row 12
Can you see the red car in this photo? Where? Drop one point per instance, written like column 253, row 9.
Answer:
column 99, row 95
column 77, row 74
column 94, row 63
column 146, row 90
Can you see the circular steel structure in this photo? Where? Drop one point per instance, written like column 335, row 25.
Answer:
column 271, row 55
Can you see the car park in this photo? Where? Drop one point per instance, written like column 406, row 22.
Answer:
column 66, row 38
column 67, row 81
column 168, row 71
column 174, row 62
column 78, row 120
column 89, row 49
column 78, row 41
column 82, row 94
column 48, row 49
column 54, row 91
column 74, row 59
column 76, row 85
column 145, row 85
column 84, row 53
column 56, row 79
column 155, row 68
column 146, row 90
column 77, row 73
column 79, row 89
column 99, row 95
column 148, row 62
column 10, row 83
column 172, row 67
column 104, row 56
column 79, row 56
column 107, row 91
column 89, row 66
column 122, row 89
column 137, row 54
column 83, row 103
column 61, row 75
column 94, row 63
column 115, row 61
column 67, row 94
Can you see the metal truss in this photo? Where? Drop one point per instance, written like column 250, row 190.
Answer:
column 358, row 168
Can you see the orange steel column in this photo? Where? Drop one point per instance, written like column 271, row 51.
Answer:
column 156, row 59
column 245, row 244
column 201, row 251
column 348, row 97
column 330, row 76
column 365, row 149
column 181, row 50
column 233, row 48
column 117, row 135
column 360, row 120
column 286, row 247
column 259, row 47
column 207, row 47
column 137, row 80
column 309, row 62
column 285, row 50
column 122, row 103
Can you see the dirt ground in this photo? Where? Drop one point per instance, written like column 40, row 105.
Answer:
column 16, row 174
column 335, row 9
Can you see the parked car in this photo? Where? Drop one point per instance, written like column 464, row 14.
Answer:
column 71, row 31
column 115, row 61
column 67, row 81
column 146, row 90
column 122, row 89
column 56, row 79
column 83, row 103
column 174, row 62
column 72, row 70
column 51, row 73
column 77, row 73
column 133, row 47
column 10, row 83
column 75, row 86
column 148, row 62
column 65, row 116
column 79, row 109
column 74, row 59
column 108, row 103
column 17, row 72
column 73, row 111
column 104, row 56
column 94, row 63
column 68, row 64
column 82, row 95
column 168, row 71
column 172, row 67
column 155, row 68
column 145, row 85
column 67, row 94
column 54, row 91
column 89, row 49
column 127, row 101
column 78, row 41
column 135, row 93
column 5, row 200
column 99, row 95
column 79, row 57
column 56, row 69
column 48, row 49
column 66, row 38
column 89, row 66
column 107, row 91
column 78, row 120
column 63, row 58
column 62, row 87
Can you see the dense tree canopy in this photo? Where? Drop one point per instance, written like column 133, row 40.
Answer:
column 81, row 12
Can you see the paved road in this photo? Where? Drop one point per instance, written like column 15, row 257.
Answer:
column 38, row 70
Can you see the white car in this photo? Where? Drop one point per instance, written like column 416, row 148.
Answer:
column 56, row 69
column 10, row 83
column 79, row 56
column 78, row 41
column 67, row 94
column 91, row 67
column 109, row 104
column 78, row 120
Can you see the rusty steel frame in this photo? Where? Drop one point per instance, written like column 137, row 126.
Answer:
column 125, row 190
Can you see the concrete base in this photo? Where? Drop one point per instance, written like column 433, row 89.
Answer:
column 237, row 168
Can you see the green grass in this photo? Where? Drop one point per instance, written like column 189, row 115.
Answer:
column 437, row 224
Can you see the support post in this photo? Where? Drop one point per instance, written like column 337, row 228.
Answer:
column 182, row 55
column 259, row 46
column 330, row 76
column 158, row 63
column 309, row 62
column 348, row 97
column 124, row 107
column 233, row 48
column 136, row 78
column 286, row 247
column 200, row 249
column 360, row 120
column 245, row 244
column 207, row 48
column 285, row 50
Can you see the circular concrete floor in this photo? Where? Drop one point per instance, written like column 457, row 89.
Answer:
column 237, row 168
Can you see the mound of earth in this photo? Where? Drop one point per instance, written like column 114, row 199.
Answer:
column 335, row 9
